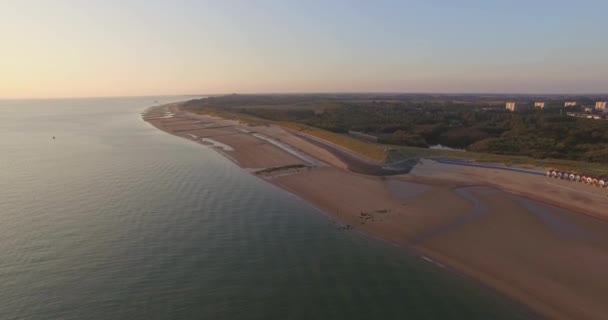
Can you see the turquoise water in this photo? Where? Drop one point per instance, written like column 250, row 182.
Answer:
column 116, row 220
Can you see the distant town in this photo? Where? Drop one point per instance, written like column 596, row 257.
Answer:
column 596, row 112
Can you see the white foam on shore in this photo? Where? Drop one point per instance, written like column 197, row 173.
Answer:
column 217, row 144
column 193, row 136
column 166, row 116
column 289, row 150
column 243, row 130
column 433, row 261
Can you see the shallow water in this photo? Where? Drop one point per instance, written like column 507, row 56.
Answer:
column 115, row 219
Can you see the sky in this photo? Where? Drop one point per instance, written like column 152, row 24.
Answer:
column 62, row 48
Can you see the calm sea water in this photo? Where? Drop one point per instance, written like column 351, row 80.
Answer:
column 116, row 220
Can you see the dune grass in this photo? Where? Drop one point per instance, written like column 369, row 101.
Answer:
column 372, row 151
column 313, row 105
column 368, row 150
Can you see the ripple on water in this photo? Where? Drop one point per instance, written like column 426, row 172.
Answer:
column 116, row 220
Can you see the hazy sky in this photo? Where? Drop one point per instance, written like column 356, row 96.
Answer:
column 59, row 48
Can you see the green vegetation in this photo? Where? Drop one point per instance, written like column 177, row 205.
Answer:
column 411, row 123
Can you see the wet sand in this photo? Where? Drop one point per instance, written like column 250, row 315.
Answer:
column 538, row 241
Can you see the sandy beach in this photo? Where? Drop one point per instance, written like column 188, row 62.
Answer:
column 538, row 241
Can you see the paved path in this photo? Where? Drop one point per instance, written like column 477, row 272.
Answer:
column 488, row 166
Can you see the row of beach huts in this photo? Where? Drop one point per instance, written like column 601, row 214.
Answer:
column 575, row 177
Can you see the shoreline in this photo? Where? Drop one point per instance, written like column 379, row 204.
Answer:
column 521, row 308
column 374, row 207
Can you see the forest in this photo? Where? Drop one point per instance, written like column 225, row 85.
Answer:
column 472, row 123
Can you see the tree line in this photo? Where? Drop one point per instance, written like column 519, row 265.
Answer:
column 548, row 133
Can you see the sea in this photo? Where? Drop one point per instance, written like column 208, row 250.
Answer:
column 102, row 216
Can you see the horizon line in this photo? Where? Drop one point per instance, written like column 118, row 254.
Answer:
column 308, row 93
